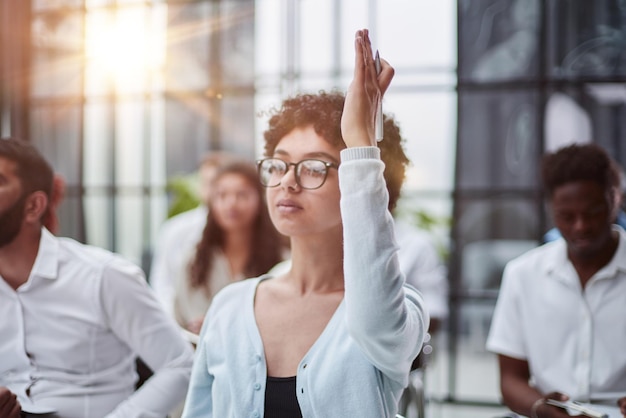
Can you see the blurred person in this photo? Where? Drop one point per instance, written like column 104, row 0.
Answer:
column 423, row 268
column 335, row 335
column 179, row 235
column 79, row 315
column 419, row 261
column 556, row 327
column 238, row 241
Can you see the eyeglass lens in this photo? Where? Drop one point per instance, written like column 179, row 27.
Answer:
column 310, row 174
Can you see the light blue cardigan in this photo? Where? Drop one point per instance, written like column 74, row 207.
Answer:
column 359, row 365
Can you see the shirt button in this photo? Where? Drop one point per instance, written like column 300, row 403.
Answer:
column 255, row 414
column 257, row 386
column 304, row 366
column 258, row 357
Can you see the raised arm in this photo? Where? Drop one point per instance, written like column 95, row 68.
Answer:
column 387, row 319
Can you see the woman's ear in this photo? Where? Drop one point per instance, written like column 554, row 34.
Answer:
column 35, row 207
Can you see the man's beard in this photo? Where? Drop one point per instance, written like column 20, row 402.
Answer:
column 11, row 222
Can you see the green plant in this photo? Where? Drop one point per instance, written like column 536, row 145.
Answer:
column 438, row 227
column 183, row 189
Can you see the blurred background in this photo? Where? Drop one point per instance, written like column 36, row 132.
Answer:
column 124, row 96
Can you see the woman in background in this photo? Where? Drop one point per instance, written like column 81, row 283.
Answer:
column 238, row 241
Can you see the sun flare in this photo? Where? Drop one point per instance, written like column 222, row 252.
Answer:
column 124, row 45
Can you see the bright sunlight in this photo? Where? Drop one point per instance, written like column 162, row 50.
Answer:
column 123, row 47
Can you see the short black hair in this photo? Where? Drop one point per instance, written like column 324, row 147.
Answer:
column 33, row 170
column 323, row 112
column 579, row 162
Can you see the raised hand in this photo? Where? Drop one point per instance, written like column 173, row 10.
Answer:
column 364, row 93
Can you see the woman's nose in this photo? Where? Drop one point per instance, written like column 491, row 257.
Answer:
column 289, row 178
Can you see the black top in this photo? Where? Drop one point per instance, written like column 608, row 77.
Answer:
column 280, row 398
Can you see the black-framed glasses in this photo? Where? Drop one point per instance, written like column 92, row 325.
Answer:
column 310, row 174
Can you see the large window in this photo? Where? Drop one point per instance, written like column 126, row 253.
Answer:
column 125, row 94
column 120, row 95
column 533, row 76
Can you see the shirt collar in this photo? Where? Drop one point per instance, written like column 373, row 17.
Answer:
column 47, row 262
column 557, row 260
column 559, row 263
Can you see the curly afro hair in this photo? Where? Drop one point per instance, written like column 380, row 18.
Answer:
column 323, row 112
column 579, row 162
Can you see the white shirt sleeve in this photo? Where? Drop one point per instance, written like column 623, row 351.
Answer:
column 505, row 335
column 137, row 318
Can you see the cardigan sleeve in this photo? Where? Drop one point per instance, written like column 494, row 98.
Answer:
column 387, row 318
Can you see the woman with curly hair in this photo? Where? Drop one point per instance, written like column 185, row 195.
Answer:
column 335, row 335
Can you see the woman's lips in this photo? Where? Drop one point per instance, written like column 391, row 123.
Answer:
column 287, row 206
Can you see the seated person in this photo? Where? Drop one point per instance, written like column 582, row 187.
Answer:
column 554, row 234
column 180, row 234
column 237, row 242
column 417, row 255
column 557, row 326
column 335, row 335
column 79, row 315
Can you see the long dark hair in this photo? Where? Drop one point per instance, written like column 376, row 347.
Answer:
column 266, row 245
